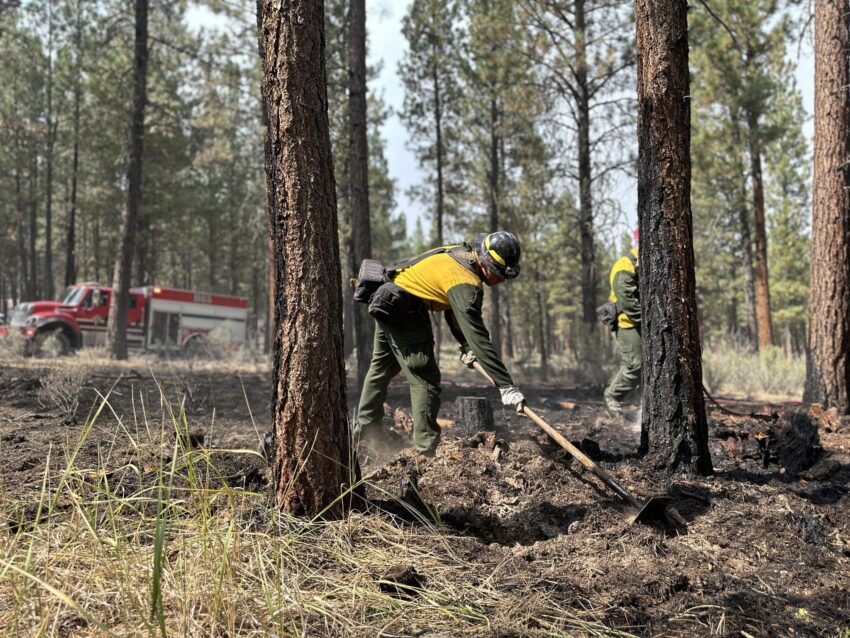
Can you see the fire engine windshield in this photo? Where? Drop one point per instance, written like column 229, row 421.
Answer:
column 72, row 296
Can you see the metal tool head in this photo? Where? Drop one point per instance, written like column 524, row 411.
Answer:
column 658, row 509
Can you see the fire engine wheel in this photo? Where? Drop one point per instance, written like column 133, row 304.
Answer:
column 51, row 343
column 198, row 348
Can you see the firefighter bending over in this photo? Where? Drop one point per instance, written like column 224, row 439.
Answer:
column 449, row 279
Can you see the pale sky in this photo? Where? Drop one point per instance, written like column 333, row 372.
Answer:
column 386, row 48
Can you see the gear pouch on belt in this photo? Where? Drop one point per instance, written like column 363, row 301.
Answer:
column 607, row 314
column 369, row 278
column 390, row 304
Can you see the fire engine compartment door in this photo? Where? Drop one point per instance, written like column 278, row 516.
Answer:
column 165, row 329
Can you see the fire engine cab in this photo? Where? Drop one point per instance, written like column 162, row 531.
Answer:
column 158, row 319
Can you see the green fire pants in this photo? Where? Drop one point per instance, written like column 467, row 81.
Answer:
column 631, row 359
column 408, row 349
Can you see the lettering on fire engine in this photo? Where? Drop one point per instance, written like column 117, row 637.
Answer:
column 203, row 297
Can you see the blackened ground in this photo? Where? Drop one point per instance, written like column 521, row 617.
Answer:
column 765, row 553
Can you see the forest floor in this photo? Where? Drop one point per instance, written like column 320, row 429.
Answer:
column 140, row 517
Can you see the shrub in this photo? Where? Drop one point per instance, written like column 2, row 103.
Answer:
column 62, row 387
column 13, row 345
column 727, row 368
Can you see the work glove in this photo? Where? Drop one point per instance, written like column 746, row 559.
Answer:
column 467, row 356
column 512, row 397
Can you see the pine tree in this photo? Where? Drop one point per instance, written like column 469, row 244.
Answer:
column 586, row 57
column 116, row 325
column 828, row 369
column 312, row 448
column 674, row 428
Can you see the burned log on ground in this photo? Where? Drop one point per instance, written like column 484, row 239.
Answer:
column 791, row 442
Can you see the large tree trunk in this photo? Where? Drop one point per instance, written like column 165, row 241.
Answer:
column 358, row 174
column 588, row 265
column 495, row 316
column 765, row 328
column 116, row 324
column 828, row 370
column 312, row 441
column 674, row 430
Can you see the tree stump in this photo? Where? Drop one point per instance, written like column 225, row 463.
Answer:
column 797, row 442
column 474, row 415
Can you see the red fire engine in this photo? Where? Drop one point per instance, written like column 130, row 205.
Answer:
column 158, row 319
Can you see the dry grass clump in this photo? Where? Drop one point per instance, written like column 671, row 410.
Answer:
column 183, row 553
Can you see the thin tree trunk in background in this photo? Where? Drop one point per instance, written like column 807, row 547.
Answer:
column 116, row 324
column 588, row 260
column 765, row 325
column 828, row 363
column 49, row 288
column 312, row 442
column 33, row 289
column 495, row 315
column 541, row 331
column 750, row 323
column 358, row 174
column 71, row 225
column 509, row 333
column 674, row 430
column 441, row 210
column 22, row 253
column 438, row 131
column 749, row 277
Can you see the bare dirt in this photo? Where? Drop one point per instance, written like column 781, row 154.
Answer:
column 766, row 551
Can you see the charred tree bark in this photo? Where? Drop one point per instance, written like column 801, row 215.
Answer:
column 474, row 415
column 828, row 369
column 674, row 431
column 588, row 260
column 358, row 174
column 765, row 327
column 312, row 441
column 116, row 323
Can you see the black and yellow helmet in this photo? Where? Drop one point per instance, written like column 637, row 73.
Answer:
column 499, row 252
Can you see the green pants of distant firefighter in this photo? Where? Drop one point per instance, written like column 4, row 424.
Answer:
column 408, row 349
column 631, row 359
